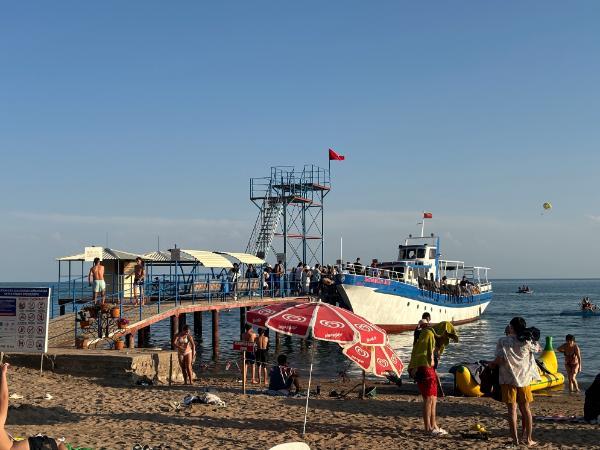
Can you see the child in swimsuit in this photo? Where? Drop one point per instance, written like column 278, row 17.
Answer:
column 572, row 361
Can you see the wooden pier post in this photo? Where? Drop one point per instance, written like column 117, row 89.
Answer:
column 215, row 333
column 198, row 324
column 174, row 328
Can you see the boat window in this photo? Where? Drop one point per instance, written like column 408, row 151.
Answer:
column 402, row 254
column 432, row 253
column 421, row 253
column 410, row 253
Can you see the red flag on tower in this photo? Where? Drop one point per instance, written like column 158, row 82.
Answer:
column 334, row 156
column 427, row 215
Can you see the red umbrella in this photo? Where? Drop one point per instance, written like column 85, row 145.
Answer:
column 380, row 360
column 324, row 321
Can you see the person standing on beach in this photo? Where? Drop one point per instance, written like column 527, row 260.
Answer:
column 139, row 274
column 262, row 345
column 250, row 336
column 96, row 279
column 422, row 369
column 515, row 356
column 183, row 342
column 572, row 361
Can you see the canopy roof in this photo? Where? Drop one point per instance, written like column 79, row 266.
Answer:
column 244, row 258
column 208, row 259
column 204, row 257
column 107, row 254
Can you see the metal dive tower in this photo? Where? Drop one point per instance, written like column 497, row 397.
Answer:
column 290, row 222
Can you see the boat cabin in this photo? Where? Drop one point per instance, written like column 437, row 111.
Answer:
column 419, row 264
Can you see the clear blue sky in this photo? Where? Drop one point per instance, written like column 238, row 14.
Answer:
column 141, row 118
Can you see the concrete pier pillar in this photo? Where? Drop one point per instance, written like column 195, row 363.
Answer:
column 182, row 320
column 174, row 329
column 215, row 333
column 198, row 324
column 129, row 341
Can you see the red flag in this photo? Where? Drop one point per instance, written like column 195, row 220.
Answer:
column 427, row 215
column 333, row 156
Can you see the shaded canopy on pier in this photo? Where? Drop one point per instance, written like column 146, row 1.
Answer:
column 107, row 254
column 203, row 257
column 183, row 257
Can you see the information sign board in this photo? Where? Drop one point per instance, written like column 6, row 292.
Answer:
column 24, row 319
column 92, row 253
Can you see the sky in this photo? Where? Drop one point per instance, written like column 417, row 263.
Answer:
column 124, row 121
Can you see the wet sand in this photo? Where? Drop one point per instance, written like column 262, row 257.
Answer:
column 89, row 412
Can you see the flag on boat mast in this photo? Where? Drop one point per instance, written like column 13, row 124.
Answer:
column 426, row 215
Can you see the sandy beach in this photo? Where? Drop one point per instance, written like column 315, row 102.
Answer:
column 102, row 416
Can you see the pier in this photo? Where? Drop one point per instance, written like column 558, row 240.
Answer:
column 177, row 283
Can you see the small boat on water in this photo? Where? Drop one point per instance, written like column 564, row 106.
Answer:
column 548, row 370
column 524, row 290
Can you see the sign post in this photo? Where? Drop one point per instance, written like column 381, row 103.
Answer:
column 244, row 372
column 24, row 320
column 243, row 346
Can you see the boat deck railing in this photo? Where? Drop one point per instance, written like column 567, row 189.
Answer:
column 451, row 292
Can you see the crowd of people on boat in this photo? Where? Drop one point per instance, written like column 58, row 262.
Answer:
column 524, row 289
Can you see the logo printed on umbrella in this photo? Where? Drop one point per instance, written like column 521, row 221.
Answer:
column 383, row 362
column 293, row 318
column 363, row 327
column 359, row 351
column 331, row 323
column 265, row 311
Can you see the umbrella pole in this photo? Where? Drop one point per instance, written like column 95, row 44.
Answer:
column 364, row 385
column 312, row 357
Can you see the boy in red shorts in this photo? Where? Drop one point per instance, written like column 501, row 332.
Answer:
column 422, row 370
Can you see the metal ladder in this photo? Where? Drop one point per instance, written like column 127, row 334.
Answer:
column 265, row 226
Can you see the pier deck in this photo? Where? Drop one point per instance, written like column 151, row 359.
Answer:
column 61, row 333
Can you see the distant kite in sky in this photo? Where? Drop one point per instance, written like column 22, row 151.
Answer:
column 547, row 207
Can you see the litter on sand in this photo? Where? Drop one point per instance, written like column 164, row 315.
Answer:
column 205, row 398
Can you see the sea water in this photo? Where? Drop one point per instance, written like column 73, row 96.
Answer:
column 477, row 340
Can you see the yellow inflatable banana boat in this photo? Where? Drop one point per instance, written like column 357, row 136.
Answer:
column 467, row 386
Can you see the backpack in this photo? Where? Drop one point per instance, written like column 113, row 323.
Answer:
column 490, row 382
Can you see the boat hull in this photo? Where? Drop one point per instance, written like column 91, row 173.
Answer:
column 398, row 307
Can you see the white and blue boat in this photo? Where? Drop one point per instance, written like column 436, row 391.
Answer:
column 395, row 294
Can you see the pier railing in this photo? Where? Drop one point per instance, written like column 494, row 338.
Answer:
column 163, row 292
